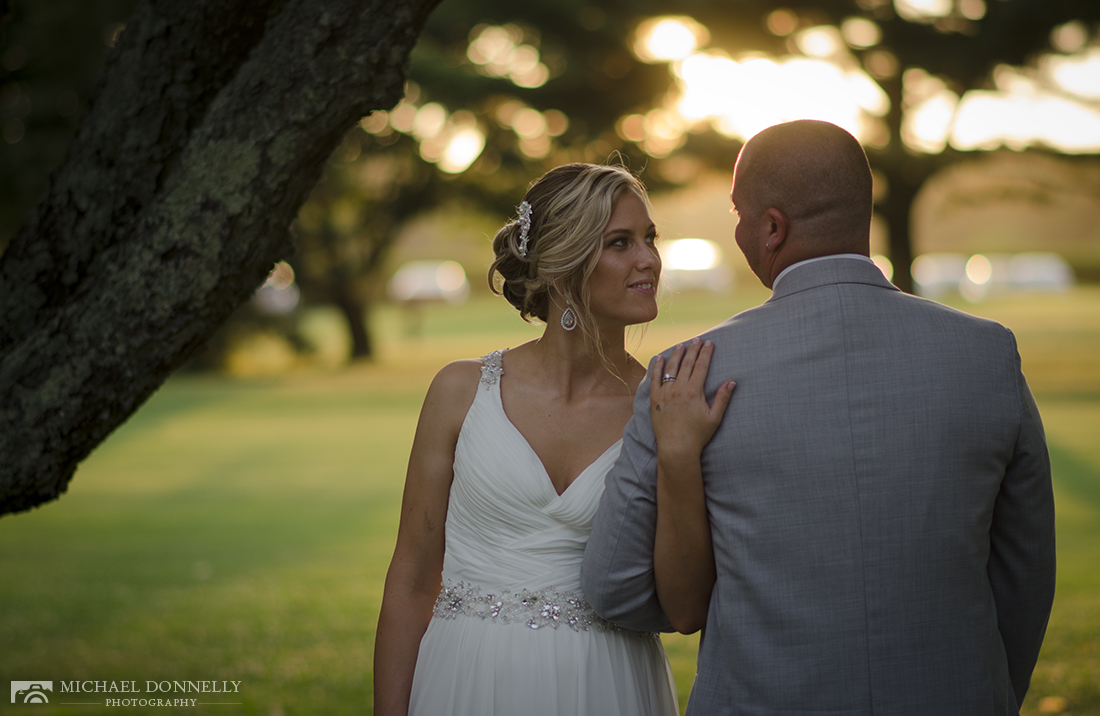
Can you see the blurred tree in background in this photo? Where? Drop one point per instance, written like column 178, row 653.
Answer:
column 500, row 94
column 351, row 220
column 548, row 87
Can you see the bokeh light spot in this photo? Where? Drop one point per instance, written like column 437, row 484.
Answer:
column 922, row 10
column 860, row 32
column 979, row 269
column 463, row 148
column 664, row 39
column 821, row 41
column 1069, row 37
column 782, row 22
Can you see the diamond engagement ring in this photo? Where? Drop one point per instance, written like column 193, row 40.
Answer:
column 667, row 378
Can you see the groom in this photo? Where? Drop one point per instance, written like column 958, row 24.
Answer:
column 879, row 490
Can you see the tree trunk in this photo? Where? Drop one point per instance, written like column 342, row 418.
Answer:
column 355, row 313
column 212, row 122
column 904, row 184
column 901, row 170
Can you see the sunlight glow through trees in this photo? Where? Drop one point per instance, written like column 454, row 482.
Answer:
column 1056, row 103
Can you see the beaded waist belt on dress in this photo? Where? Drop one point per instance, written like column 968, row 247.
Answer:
column 544, row 608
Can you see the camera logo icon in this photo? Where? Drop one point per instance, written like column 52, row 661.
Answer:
column 31, row 692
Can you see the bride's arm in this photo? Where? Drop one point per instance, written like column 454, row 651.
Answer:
column 414, row 577
column 683, row 422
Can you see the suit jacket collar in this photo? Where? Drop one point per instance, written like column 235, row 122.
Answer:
column 824, row 273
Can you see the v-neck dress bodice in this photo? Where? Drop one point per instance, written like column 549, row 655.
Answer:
column 506, row 524
column 511, row 632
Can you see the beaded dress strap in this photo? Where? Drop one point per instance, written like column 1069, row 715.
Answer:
column 492, row 367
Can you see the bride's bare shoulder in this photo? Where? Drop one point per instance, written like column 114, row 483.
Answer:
column 458, row 377
column 453, row 389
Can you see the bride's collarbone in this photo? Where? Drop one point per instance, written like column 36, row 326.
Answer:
column 567, row 438
column 570, row 420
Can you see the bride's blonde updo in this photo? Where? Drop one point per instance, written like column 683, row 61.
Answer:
column 570, row 207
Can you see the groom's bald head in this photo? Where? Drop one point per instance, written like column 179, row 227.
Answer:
column 817, row 175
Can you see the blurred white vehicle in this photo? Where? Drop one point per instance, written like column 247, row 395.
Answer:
column 1040, row 271
column 937, row 274
column 982, row 275
column 694, row 263
column 424, row 281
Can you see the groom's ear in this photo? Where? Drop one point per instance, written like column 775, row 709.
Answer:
column 778, row 226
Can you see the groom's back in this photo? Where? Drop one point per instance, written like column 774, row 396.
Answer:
column 852, row 487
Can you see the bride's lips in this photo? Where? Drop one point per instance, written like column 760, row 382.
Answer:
column 646, row 288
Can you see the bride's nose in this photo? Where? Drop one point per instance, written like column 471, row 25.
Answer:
column 648, row 258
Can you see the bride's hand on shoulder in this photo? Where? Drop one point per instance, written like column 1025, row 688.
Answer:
column 683, row 421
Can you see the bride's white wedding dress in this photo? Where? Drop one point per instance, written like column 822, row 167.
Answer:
column 511, row 633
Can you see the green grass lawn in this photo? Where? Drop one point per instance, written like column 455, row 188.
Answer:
column 240, row 530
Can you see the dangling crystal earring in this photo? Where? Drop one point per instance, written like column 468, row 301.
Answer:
column 568, row 317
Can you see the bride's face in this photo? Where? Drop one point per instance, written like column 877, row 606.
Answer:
column 623, row 286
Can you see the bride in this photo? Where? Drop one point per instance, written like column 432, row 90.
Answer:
column 507, row 469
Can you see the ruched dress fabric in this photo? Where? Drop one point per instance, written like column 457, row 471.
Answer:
column 510, row 537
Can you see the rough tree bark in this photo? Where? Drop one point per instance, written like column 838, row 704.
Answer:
column 211, row 124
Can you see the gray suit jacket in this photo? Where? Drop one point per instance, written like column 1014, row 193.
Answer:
column 880, row 502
